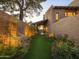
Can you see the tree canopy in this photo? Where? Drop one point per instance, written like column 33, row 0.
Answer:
column 25, row 7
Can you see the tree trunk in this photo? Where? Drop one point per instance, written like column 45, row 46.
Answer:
column 21, row 14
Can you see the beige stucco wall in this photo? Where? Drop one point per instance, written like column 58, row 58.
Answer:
column 51, row 16
column 74, row 3
column 69, row 26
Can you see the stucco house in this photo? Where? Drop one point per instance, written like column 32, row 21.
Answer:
column 57, row 13
column 62, row 20
column 11, row 29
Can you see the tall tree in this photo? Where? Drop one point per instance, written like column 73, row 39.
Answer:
column 25, row 7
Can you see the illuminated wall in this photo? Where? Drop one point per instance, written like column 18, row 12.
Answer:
column 13, row 29
column 28, row 31
column 9, row 30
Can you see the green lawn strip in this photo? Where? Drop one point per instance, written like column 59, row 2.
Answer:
column 39, row 49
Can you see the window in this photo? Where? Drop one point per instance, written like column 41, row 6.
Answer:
column 41, row 27
column 13, row 29
column 57, row 16
column 65, row 13
column 69, row 13
column 74, row 13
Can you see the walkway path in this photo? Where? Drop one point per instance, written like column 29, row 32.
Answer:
column 39, row 49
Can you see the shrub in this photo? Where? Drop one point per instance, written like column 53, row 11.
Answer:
column 62, row 48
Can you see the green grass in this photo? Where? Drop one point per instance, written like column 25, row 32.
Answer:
column 39, row 49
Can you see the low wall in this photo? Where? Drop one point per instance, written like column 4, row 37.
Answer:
column 68, row 26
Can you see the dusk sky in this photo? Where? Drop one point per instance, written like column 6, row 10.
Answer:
column 46, row 6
